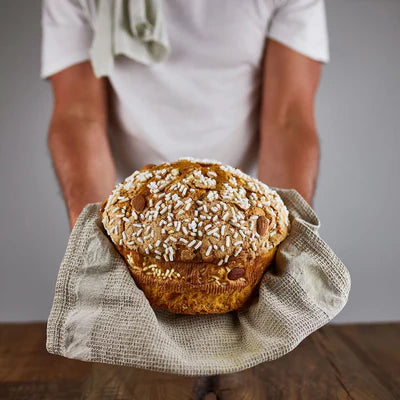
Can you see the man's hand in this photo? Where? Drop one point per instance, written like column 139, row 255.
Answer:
column 289, row 145
column 78, row 140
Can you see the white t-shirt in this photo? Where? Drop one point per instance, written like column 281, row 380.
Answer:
column 203, row 100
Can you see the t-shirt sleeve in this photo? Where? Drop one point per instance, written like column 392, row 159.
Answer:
column 66, row 35
column 301, row 25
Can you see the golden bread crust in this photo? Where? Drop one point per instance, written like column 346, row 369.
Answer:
column 197, row 235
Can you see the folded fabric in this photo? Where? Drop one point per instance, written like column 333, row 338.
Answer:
column 100, row 315
column 133, row 28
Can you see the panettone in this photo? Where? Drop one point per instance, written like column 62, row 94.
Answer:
column 197, row 235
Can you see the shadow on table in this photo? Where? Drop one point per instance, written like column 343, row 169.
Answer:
column 120, row 383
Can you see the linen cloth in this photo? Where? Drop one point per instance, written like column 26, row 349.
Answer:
column 100, row 315
column 133, row 28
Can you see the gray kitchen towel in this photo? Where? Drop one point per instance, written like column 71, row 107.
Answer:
column 132, row 28
column 100, row 315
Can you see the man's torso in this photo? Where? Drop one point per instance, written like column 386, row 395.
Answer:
column 203, row 100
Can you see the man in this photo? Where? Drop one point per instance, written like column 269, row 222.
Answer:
column 238, row 86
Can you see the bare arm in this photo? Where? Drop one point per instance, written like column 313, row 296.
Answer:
column 289, row 145
column 78, row 140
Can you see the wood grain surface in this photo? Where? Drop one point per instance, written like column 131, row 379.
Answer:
column 336, row 362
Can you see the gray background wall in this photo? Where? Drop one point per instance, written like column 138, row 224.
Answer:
column 357, row 114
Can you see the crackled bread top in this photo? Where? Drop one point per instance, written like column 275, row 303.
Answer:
column 195, row 210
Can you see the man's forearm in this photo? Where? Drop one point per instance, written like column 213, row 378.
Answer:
column 82, row 161
column 289, row 158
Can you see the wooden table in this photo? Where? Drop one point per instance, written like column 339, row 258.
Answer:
column 336, row 362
